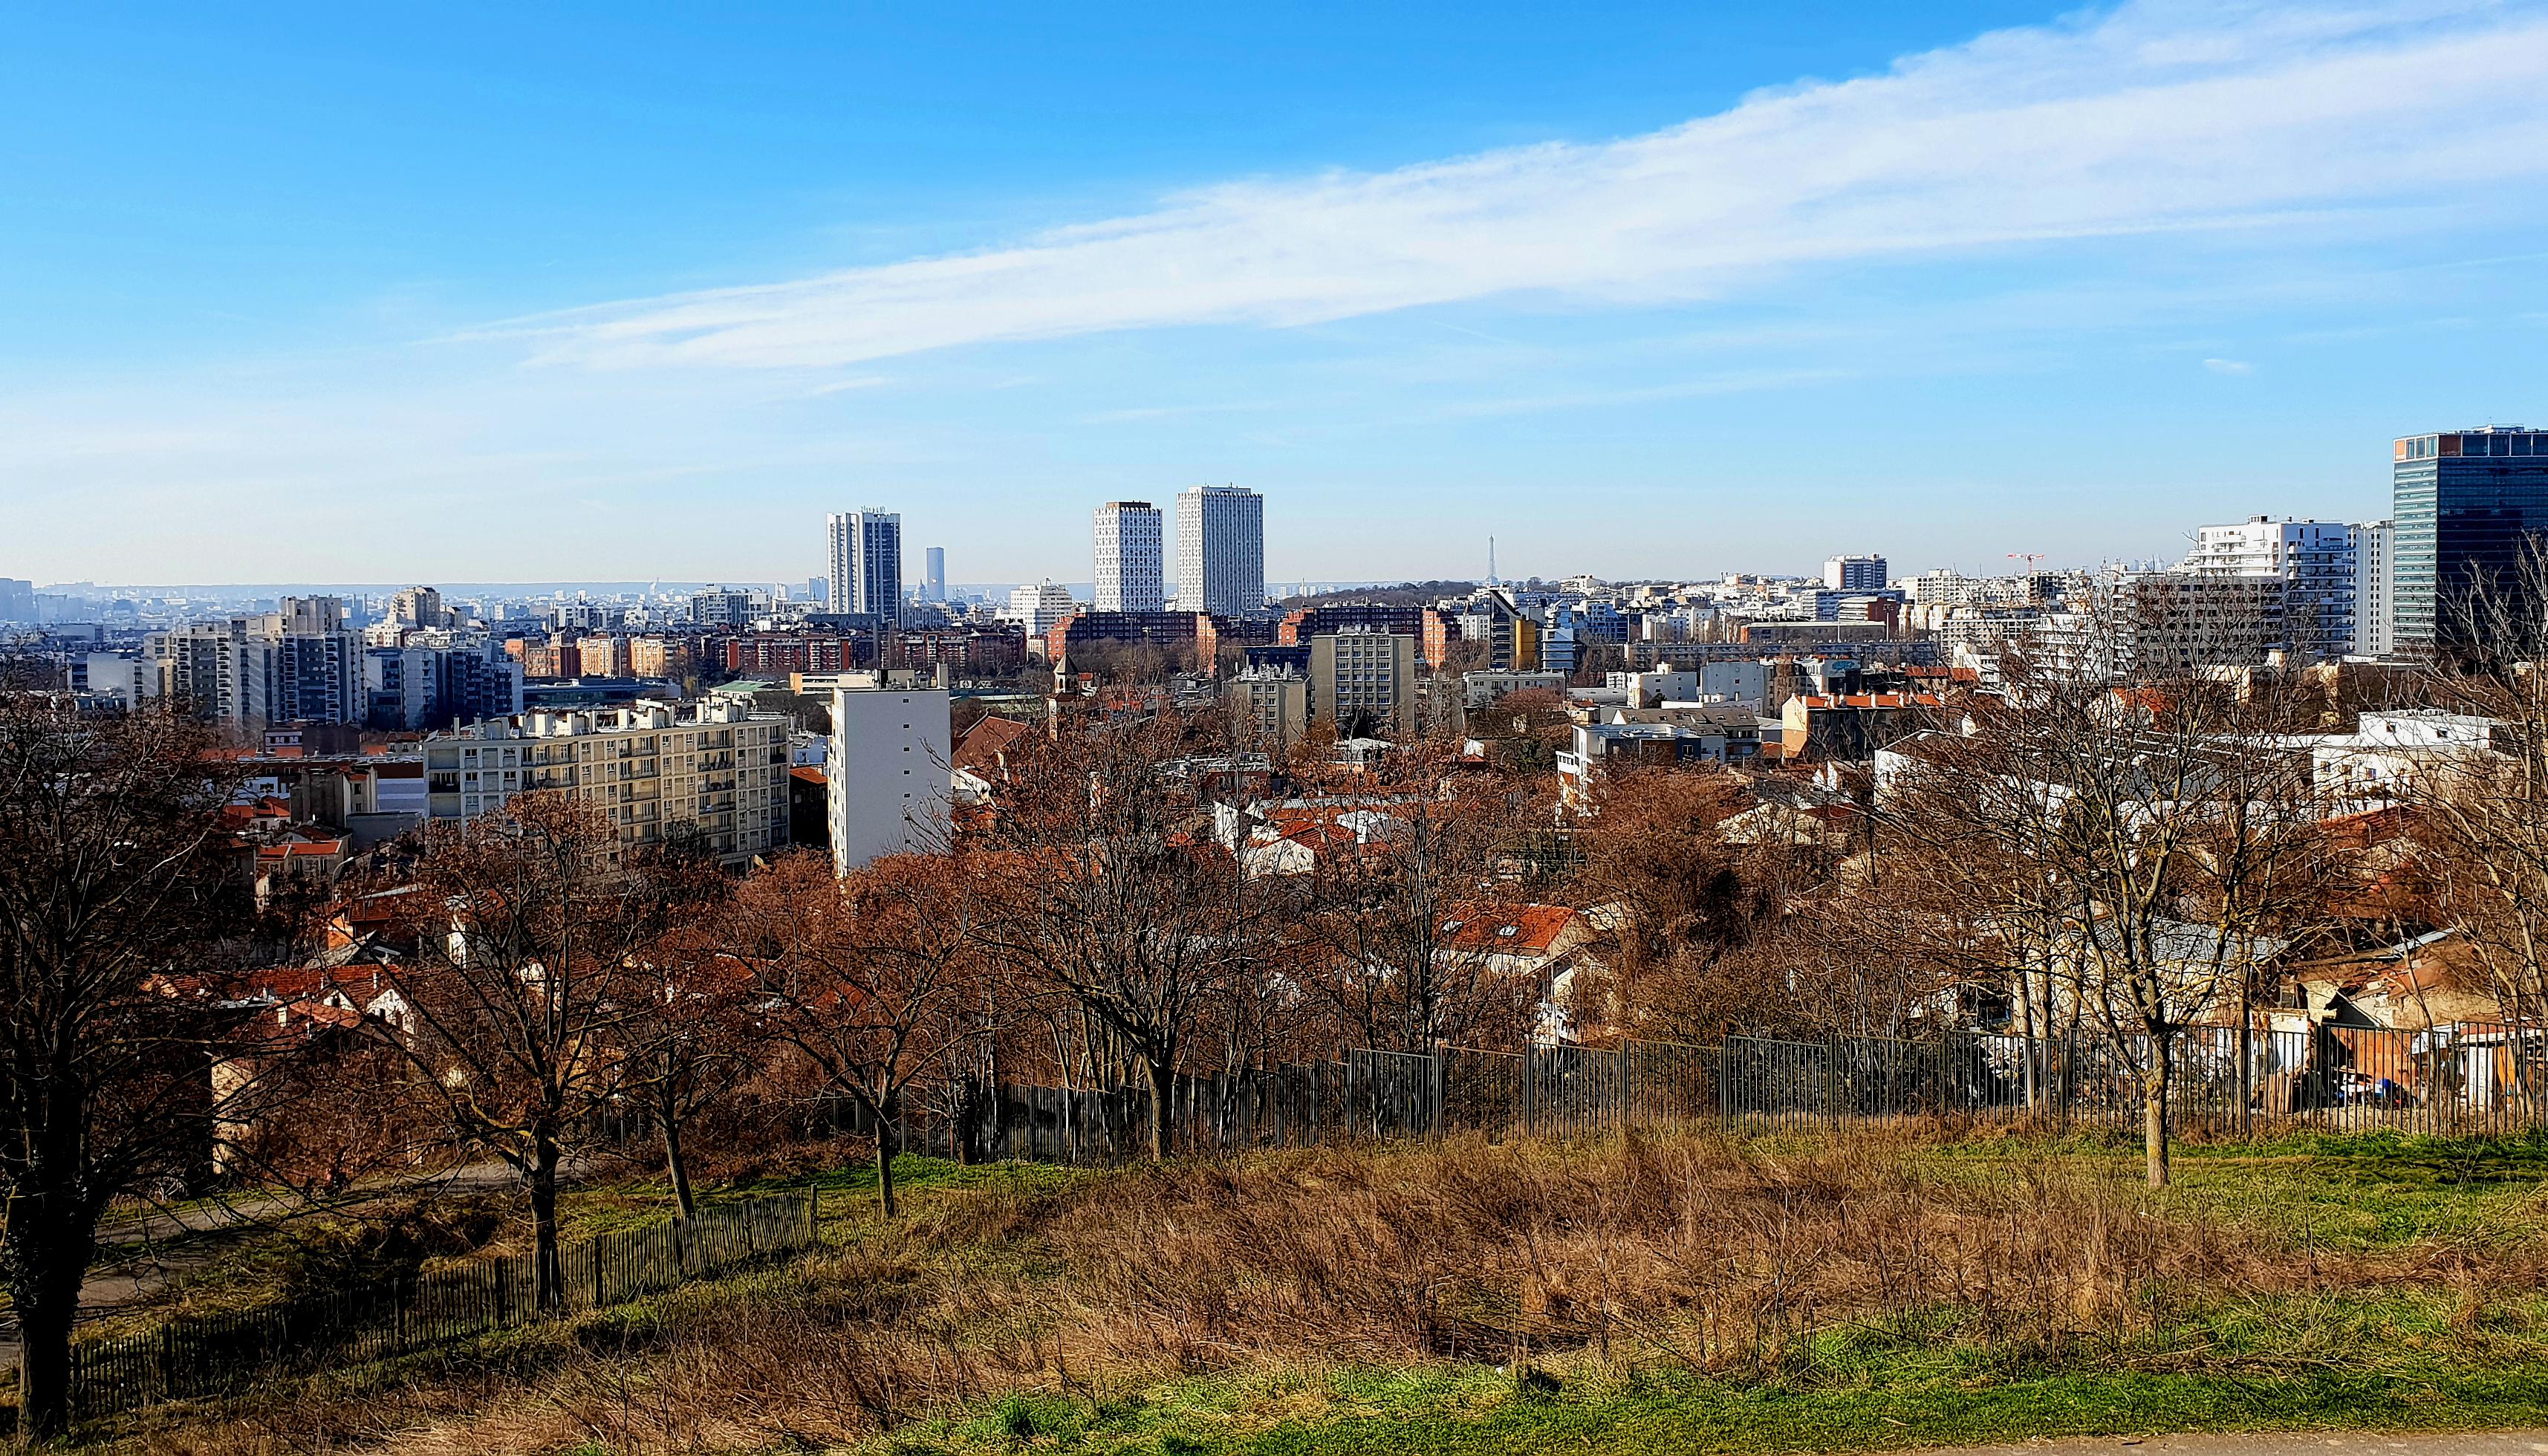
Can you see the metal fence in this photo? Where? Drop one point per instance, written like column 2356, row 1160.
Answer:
column 2469, row 1078
column 194, row 1355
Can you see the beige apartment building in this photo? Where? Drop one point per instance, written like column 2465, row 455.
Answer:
column 1273, row 703
column 1364, row 680
column 650, row 767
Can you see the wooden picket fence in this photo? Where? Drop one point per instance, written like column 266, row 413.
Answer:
column 194, row 1355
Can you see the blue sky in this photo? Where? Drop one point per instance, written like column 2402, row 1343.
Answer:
column 487, row 293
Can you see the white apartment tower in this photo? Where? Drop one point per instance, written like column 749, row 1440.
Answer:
column 2375, row 625
column 1220, row 551
column 1129, row 575
column 933, row 579
column 866, row 563
column 1039, row 608
column 890, row 784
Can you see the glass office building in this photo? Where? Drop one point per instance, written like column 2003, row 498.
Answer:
column 2465, row 504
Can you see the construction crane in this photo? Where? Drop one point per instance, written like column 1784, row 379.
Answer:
column 2028, row 557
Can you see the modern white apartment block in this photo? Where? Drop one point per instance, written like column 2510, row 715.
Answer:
column 2374, row 619
column 867, row 562
column 1131, row 571
column 710, row 767
column 1220, row 551
column 2313, row 559
column 1854, row 573
column 889, row 776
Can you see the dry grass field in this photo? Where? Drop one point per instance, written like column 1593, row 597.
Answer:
column 1656, row 1292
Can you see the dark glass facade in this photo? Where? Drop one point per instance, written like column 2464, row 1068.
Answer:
column 2465, row 503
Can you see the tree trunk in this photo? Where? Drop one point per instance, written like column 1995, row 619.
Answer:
column 2026, row 1025
column 2154, row 1113
column 1163, row 1088
column 48, row 1253
column 888, row 1129
column 677, row 1164
column 549, row 1270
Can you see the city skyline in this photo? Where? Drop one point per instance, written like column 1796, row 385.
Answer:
column 1980, row 279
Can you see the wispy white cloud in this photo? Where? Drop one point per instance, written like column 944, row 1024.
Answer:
column 2229, row 366
column 2159, row 117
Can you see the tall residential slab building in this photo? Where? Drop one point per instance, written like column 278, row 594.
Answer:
column 1131, row 576
column 866, row 563
column 1220, row 551
column 2375, row 622
column 2465, row 504
column 299, row 664
column 888, row 787
column 1364, row 682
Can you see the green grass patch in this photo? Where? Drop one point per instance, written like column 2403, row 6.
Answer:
column 1475, row 1410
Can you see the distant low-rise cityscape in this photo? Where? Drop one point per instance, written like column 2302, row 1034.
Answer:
column 393, row 703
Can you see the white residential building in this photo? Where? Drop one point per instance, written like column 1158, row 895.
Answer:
column 2164, row 622
column 1479, row 688
column 1220, row 551
column 711, row 765
column 2375, row 622
column 1039, row 608
column 1131, row 571
column 2313, row 559
column 890, row 773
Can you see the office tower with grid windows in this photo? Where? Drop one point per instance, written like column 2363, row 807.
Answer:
column 2467, row 506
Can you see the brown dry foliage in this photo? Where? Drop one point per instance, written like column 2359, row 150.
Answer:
column 1701, row 1252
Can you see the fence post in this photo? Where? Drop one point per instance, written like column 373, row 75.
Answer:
column 1725, row 1082
column 1627, row 1080
column 1831, row 1083
column 1529, row 1069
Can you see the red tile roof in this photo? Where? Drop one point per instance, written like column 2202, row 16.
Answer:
column 985, row 741
column 1507, row 930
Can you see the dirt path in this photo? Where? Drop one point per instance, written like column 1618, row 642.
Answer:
column 138, row 1256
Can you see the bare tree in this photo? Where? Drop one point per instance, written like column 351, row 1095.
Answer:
column 114, row 896
column 2088, row 804
column 871, row 976
column 518, row 1007
column 2484, row 800
column 1387, row 912
column 1117, row 894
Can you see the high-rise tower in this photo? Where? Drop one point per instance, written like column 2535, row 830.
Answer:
column 866, row 563
column 1220, row 551
column 2466, row 505
column 1129, row 575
